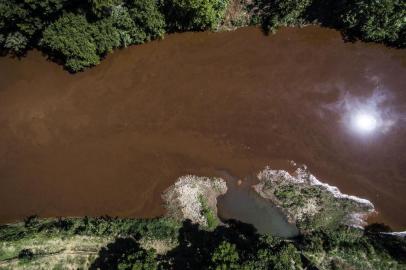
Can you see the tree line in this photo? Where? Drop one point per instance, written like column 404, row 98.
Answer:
column 79, row 33
column 382, row 21
column 232, row 245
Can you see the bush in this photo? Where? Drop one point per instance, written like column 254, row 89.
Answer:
column 16, row 42
column 149, row 22
column 106, row 37
column 207, row 212
column 376, row 20
column 225, row 257
column 141, row 260
column 287, row 258
column 195, row 15
column 284, row 13
column 71, row 37
column 23, row 21
column 26, row 255
column 102, row 8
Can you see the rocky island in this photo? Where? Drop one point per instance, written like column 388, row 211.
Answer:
column 309, row 203
column 195, row 198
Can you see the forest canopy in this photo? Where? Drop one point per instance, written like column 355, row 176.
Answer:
column 80, row 33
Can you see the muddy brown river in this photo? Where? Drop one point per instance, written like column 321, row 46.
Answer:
column 109, row 140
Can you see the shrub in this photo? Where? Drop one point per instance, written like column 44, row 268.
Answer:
column 207, row 212
column 225, row 257
column 185, row 15
column 71, row 37
column 276, row 13
column 376, row 20
column 149, row 22
column 101, row 8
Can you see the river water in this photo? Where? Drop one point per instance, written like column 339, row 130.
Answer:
column 109, row 140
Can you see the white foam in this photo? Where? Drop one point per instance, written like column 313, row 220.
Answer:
column 399, row 234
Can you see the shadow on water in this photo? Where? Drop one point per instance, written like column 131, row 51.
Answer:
column 243, row 203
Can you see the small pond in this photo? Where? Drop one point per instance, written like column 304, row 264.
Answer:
column 241, row 202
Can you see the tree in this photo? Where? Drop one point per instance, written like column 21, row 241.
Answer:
column 14, row 27
column 278, row 13
column 44, row 8
column 149, row 22
column 16, row 42
column 225, row 257
column 186, row 15
column 287, row 258
column 141, row 260
column 102, row 8
column 23, row 21
column 125, row 26
column 71, row 37
column 106, row 36
column 375, row 20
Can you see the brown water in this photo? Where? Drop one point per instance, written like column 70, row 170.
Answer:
column 111, row 139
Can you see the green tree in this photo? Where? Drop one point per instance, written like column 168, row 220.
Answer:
column 71, row 37
column 375, row 20
column 141, row 260
column 287, row 258
column 14, row 26
column 16, row 42
column 102, row 8
column 185, row 15
column 149, row 22
column 276, row 13
column 44, row 8
column 125, row 26
column 225, row 257
column 106, row 36
column 24, row 20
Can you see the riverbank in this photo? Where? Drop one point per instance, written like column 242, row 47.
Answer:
column 79, row 36
column 188, row 239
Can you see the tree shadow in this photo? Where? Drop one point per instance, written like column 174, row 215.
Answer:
column 109, row 256
column 380, row 238
column 194, row 250
column 197, row 245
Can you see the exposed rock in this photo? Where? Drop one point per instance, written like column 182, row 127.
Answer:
column 310, row 203
column 192, row 196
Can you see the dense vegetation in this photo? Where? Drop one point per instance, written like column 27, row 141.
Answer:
column 369, row 20
column 232, row 246
column 80, row 33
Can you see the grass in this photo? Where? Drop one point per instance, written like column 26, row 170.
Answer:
column 208, row 213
